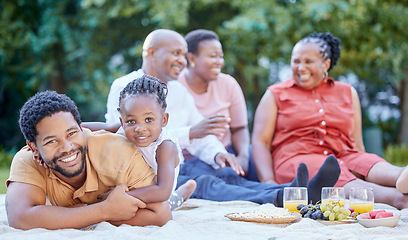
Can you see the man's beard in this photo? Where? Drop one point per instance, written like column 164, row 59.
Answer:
column 62, row 171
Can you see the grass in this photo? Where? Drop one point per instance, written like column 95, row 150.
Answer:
column 4, row 174
column 397, row 155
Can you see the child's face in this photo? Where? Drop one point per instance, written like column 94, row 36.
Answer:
column 142, row 119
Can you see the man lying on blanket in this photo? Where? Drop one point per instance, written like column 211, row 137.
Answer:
column 80, row 165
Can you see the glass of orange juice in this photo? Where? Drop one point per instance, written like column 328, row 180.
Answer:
column 293, row 196
column 333, row 195
column 362, row 199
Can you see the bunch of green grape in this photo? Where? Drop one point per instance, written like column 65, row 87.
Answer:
column 334, row 211
column 325, row 211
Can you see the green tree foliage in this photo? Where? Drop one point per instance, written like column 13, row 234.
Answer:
column 80, row 47
column 372, row 34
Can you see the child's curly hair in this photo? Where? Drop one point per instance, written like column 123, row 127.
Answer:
column 145, row 85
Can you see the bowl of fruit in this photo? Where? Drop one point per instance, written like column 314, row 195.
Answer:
column 378, row 218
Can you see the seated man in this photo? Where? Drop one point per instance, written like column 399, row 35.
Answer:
column 164, row 57
column 80, row 165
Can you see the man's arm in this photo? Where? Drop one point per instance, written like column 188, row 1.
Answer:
column 26, row 209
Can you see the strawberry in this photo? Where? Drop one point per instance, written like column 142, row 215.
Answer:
column 383, row 215
column 351, row 209
column 374, row 213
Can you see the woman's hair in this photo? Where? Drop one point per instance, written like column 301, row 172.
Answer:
column 41, row 105
column 329, row 45
column 145, row 85
column 194, row 38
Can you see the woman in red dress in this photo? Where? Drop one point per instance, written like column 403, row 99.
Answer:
column 310, row 116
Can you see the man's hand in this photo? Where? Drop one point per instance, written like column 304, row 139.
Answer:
column 244, row 162
column 120, row 205
column 224, row 159
column 214, row 125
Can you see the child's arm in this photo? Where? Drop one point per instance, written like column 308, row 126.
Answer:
column 157, row 213
column 95, row 126
column 167, row 160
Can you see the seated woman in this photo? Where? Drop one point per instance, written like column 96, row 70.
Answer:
column 204, row 80
column 310, row 116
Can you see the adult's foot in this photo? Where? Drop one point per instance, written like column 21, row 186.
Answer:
column 302, row 177
column 327, row 176
column 402, row 182
column 301, row 180
column 187, row 189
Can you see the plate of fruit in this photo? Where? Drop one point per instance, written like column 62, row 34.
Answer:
column 386, row 218
column 328, row 213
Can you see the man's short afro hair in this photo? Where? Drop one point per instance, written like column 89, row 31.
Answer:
column 41, row 105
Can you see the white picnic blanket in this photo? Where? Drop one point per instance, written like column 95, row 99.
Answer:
column 203, row 219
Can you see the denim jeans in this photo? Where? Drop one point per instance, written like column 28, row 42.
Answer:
column 223, row 185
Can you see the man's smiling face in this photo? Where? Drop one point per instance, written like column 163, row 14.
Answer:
column 61, row 144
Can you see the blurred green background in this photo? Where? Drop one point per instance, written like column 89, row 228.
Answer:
column 78, row 47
